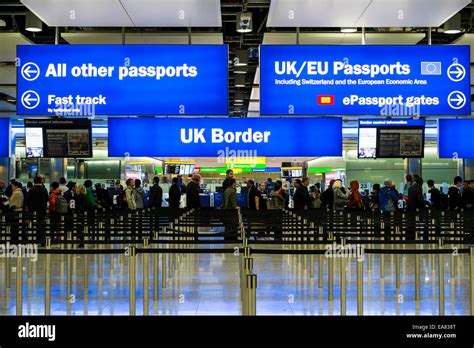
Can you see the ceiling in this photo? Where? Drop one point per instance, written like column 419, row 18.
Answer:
column 214, row 22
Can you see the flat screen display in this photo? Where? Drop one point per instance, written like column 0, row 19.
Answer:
column 58, row 138
column 391, row 138
column 179, row 168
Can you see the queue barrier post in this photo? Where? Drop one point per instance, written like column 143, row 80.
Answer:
column 19, row 285
column 155, row 271
column 47, row 280
column 132, row 279
column 360, row 287
column 441, row 279
column 7, row 264
column 145, row 277
column 471, row 255
column 252, row 294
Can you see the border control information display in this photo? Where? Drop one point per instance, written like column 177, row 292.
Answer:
column 365, row 80
column 58, row 138
column 122, row 80
column 391, row 138
column 225, row 138
column 4, row 137
column 455, row 138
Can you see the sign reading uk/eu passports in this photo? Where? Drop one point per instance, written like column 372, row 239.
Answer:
column 365, row 80
column 122, row 80
column 225, row 138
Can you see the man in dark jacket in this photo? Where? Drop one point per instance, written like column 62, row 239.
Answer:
column 174, row 194
column 415, row 195
column 454, row 192
column 192, row 192
column 229, row 174
column 327, row 197
column 435, row 195
column 37, row 200
column 468, row 196
column 301, row 195
column 156, row 194
column 251, row 194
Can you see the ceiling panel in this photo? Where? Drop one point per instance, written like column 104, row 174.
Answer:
column 368, row 13
column 7, row 74
column 343, row 39
column 8, row 43
column 6, row 106
column 136, row 38
column 174, row 13
column 467, row 39
column 127, row 13
column 8, row 90
column 80, row 13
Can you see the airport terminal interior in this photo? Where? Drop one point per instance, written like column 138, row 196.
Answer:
column 236, row 157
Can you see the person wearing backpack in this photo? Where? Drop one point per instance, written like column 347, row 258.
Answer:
column 388, row 197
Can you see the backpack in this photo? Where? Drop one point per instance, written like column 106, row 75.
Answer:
column 390, row 204
column 61, row 205
column 326, row 197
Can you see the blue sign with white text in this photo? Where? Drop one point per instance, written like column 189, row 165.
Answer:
column 4, row 137
column 122, row 80
column 455, row 138
column 365, row 80
column 225, row 137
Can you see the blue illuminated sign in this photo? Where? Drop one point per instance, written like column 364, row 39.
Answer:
column 225, row 137
column 455, row 138
column 365, row 80
column 122, row 80
column 4, row 137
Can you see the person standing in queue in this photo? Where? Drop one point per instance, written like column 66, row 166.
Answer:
column 355, row 198
column 229, row 174
column 139, row 194
column 174, row 194
column 129, row 195
column 230, row 203
column 91, row 202
column 415, row 195
column 341, row 198
column 454, row 192
column 62, row 185
column 301, row 196
column 252, row 193
column 16, row 205
column 192, row 192
column 37, row 201
column 156, row 194
column 327, row 197
column 261, row 197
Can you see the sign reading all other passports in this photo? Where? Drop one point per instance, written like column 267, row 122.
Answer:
column 122, row 80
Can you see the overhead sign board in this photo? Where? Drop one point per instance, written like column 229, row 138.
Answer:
column 365, row 80
column 122, row 80
column 225, row 138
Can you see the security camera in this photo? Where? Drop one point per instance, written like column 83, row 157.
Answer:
column 244, row 22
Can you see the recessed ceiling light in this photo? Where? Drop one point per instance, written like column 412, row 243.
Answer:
column 348, row 30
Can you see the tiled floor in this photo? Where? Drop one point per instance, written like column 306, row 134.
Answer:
column 208, row 284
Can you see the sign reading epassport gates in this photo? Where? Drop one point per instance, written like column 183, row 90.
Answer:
column 122, row 80
column 365, row 80
column 455, row 138
column 225, row 137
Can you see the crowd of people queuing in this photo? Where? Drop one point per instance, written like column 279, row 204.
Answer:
column 64, row 197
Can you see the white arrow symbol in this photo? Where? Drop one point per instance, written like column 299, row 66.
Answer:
column 30, row 99
column 456, row 100
column 458, row 72
column 28, row 71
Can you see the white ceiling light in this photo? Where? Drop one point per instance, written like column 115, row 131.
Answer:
column 453, row 25
column 33, row 23
column 241, row 58
column 348, row 30
column 244, row 22
column 2, row 23
column 240, row 81
column 240, row 70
